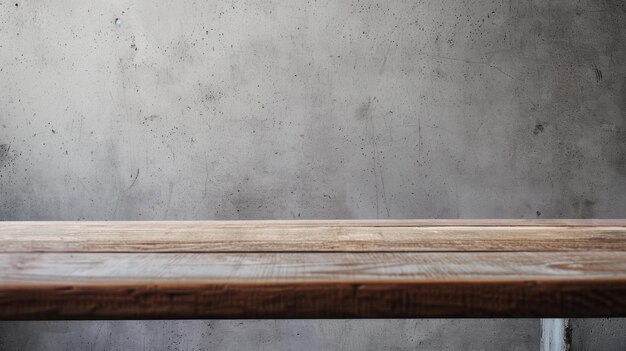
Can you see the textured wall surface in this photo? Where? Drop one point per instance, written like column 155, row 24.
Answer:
column 292, row 109
column 273, row 335
column 598, row 334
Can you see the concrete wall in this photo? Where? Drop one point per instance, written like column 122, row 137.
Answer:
column 598, row 334
column 308, row 109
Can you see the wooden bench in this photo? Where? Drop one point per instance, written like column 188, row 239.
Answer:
column 312, row 269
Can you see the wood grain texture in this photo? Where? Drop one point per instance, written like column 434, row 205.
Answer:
column 85, row 268
column 312, row 269
column 448, row 299
column 322, row 236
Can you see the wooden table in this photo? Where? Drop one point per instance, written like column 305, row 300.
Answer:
column 312, row 269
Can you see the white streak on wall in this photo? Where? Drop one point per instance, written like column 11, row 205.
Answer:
column 554, row 335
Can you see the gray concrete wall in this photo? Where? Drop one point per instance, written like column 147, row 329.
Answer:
column 598, row 334
column 308, row 109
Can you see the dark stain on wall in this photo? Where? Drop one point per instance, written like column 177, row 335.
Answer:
column 4, row 154
column 584, row 208
column 363, row 111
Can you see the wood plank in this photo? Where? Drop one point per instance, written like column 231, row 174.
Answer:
column 465, row 299
column 332, row 267
column 316, row 236
column 312, row 269
column 339, row 223
column 312, row 285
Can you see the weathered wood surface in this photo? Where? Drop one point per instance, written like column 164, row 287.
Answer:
column 307, row 267
column 312, row 269
column 309, row 236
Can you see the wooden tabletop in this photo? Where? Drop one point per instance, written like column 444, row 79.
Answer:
column 313, row 269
